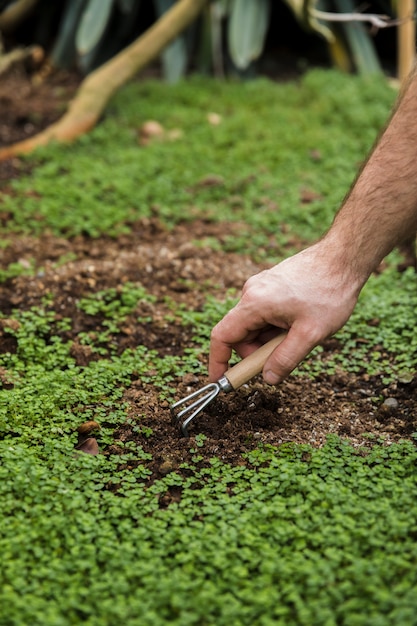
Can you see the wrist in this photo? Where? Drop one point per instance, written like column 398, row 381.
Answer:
column 345, row 262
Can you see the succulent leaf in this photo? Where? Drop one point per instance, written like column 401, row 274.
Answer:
column 248, row 24
column 93, row 25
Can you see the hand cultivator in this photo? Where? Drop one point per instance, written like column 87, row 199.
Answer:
column 186, row 409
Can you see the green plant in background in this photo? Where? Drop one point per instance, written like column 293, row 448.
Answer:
column 359, row 44
column 247, row 28
column 262, row 158
column 90, row 32
column 94, row 93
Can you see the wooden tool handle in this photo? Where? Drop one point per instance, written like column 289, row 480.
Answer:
column 246, row 369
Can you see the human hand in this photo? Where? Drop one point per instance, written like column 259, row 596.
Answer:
column 311, row 294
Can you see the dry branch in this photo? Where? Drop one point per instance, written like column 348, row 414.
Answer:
column 406, row 39
column 377, row 21
column 14, row 14
column 20, row 56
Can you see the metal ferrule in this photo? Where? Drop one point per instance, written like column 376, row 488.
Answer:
column 224, row 384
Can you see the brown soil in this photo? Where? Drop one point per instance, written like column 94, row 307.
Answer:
column 167, row 264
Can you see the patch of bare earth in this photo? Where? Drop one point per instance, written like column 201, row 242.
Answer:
column 168, row 263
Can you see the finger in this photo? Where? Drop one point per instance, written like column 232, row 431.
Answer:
column 285, row 358
column 230, row 333
column 220, row 353
column 249, row 345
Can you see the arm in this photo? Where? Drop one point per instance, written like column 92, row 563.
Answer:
column 313, row 293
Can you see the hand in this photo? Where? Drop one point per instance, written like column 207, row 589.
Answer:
column 311, row 294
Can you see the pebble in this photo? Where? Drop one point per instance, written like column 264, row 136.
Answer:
column 89, row 446
column 406, row 378
column 390, row 403
column 214, row 118
column 88, row 427
column 166, row 467
column 190, row 379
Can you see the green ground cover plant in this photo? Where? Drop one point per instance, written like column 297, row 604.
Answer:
column 293, row 535
column 296, row 536
column 264, row 153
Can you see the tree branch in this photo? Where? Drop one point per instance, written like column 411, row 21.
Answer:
column 15, row 13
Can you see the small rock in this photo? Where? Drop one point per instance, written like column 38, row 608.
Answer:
column 315, row 155
column 186, row 251
column 406, row 378
column 190, row 379
column 150, row 130
column 10, row 323
column 211, row 180
column 89, row 446
column 214, row 118
column 345, row 427
column 166, row 467
column 390, row 403
column 175, row 133
column 88, row 427
column 387, row 409
column 309, row 195
column 5, row 379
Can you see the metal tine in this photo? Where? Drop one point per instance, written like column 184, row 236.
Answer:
column 203, row 397
column 232, row 380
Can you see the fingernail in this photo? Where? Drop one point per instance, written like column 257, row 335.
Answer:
column 271, row 378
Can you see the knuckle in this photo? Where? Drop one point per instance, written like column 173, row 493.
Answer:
column 252, row 283
column 216, row 333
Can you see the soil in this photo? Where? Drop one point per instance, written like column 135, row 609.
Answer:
column 167, row 264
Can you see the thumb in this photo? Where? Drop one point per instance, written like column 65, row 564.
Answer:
column 285, row 358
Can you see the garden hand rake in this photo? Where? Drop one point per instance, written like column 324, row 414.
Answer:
column 190, row 406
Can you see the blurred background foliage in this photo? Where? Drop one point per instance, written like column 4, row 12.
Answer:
column 230, row 37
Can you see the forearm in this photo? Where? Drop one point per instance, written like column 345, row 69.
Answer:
column 381, row 208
